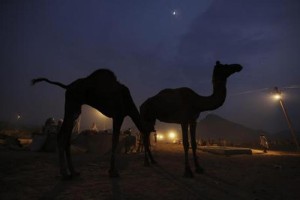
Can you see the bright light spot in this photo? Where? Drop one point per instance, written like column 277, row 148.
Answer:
column 18, row 116
column 172, row 135
column 174, row 12
column 160, row 137
column 277, row 96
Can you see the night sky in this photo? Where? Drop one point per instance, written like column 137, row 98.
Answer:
column 151, row 45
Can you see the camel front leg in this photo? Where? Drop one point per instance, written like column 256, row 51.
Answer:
column 117, row 123
column 194, row 147
column 136, row 118
column 188, row 172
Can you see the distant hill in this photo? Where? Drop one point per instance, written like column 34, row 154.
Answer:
column 216, row 128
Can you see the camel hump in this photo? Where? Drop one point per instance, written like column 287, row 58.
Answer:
column 103, row 74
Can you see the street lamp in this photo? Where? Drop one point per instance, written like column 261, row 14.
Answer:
column 172, row 135
column 160, row 137
column 278, row 96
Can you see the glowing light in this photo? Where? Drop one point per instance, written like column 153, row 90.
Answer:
column 160, row 137
column 18, row 116
column 172, row 135
column 277, row 96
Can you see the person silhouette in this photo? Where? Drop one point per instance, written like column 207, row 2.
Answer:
column 264, row 143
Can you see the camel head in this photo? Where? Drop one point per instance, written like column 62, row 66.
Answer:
column 223, row 71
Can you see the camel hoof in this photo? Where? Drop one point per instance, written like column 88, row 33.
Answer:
column 188, row 173
column 66, row 177
column 153, row 162
column 75, row 174
column 199, row 170
column 113, row 173
column 146, row 164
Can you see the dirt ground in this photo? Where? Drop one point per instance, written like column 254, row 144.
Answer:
column 32, row 175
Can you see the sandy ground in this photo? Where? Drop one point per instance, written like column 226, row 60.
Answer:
column 275, row 175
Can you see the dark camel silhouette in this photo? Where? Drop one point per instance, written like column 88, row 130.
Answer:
column 102, row 91
column 183, row 106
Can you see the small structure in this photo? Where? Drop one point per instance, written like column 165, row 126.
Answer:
column 94, row 127
column 46, row 140
column 223, row 150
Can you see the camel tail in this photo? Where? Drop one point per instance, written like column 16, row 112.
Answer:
column 37, row 80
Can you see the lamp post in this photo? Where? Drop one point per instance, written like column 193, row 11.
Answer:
column 278, row 96
column 17, row 122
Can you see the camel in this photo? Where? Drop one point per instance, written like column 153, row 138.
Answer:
column 183, row 106
column 102, row 91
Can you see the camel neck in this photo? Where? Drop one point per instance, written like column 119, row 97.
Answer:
column 216, row 99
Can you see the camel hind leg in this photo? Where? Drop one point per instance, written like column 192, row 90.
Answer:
column 64, row 141
column 143, row 128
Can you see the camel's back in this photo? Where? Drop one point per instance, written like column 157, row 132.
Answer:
column 100, row 84
column 102, row 75
column 101, row 79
